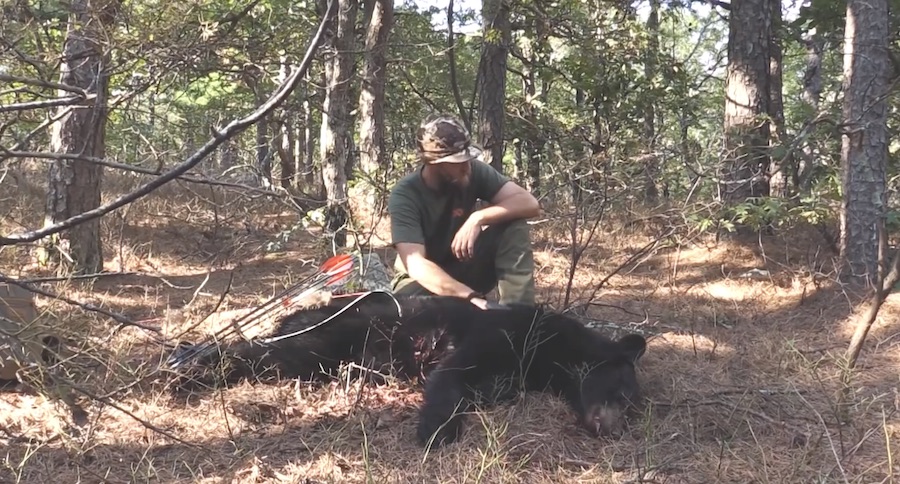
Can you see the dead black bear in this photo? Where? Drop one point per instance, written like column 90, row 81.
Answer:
column 389, row 334
column 499, row 353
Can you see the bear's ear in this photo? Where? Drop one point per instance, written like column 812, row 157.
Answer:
column 634, row 345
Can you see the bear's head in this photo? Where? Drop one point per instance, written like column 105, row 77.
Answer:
column 609, row 386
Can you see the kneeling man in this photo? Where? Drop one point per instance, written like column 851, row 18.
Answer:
column 446, row 244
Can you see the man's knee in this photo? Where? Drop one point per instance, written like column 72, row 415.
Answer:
column 514, row 242
column 515, row 264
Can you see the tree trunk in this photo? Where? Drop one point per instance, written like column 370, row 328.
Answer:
column 464, row 114
column 599, row 149
column 781, row 163
column 746, row 102
column 492, row 80
column 335, row 135
column 287, row 157
column 284, row 138
column 228, row 156
column 867, row 69
column 74, row 185
column 578, row 170
column 372, row 154
column 519, row 156
column 306, row 142
column 812, row 91
column 263, row 158
column 533, row 146
column 651, row 165
column 252, row 77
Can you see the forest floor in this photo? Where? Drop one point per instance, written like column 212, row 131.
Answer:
column 741, row 375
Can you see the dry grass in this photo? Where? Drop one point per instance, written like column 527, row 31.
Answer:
column 741, row 373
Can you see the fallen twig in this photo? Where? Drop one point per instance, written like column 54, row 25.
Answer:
column 139, row 420
column 120, row 318
column 76, row 277
column 758, row 414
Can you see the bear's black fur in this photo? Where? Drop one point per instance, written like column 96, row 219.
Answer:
column 499, row 353
column 374, row 333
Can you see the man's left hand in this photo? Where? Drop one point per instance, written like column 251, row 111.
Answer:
column 463, row 245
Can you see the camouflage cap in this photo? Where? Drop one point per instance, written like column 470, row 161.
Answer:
column 443, row 138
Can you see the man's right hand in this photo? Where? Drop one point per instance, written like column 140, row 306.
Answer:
column 434, row 279
column 484, row 304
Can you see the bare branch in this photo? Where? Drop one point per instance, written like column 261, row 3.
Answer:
column 124, row 410
column 864, row 324
column 76, row 277
column 50, row 103
column 233, row 18
column 119, row 318
column 48, row 84
column 145, row 171
column 218, row 138
column 717, row 3
column 643, row 251
column 34, row 62
column 24, row 141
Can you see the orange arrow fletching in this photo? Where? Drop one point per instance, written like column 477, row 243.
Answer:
column 336, row 261
column 340, row 273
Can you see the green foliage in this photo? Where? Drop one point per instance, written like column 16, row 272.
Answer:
column 892, row 221
column 762, row 213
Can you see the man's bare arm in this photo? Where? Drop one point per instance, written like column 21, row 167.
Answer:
column 511, row 202
column 429, row 274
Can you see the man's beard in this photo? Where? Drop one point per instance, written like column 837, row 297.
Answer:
column 447, row 185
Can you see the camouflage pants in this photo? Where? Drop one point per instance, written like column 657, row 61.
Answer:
column 503, row 259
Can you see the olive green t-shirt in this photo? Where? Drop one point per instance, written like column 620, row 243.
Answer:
column 421, row 215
